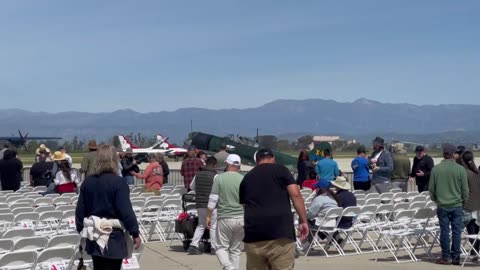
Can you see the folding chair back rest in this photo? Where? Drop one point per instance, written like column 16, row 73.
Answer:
column 331, row 218
column 43, row 209
column 53, row 255
column 68, row 240
column 372, row 196
column 401, row 206
column 18, row 233
column 6, row 245
column 374, row 201
column 351, row 211
column 405, row 215
column 16, row 259
column 417, row 205
column 432, row 205
column 31, row 243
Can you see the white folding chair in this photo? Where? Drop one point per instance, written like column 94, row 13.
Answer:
column 61, row 257
column 6, row 221
column 349, row 212
column 18, row 260
column 5, row 211
column 6, row 245
column 417, row 205
column 26, row 220
column 3, row 199
column 419, row 198
column 49, row 223
column 16, row 234
column 328, row 226
column 40, row 189
column 67, row 226
column 43, row 201
column 432, row 205
column 372, row 196
column 169, row 212
column 425, row 193
column 65, row 208
column 138, row 190
column 52, row 196
column 396, row 190
column 360, row 196
column 412, row 194
column 373, row 201
column 358, row 192
column 360, row 202
column 4, row 206
column 22, row 210
column 67, row 240
column 389, row 234
column 21, row 205
column 399, row 197
column 43, row 209
column 68, row 195
column 25, row 201
column 12, row 199
column 62, row 201
column 148, row 218
column 34, row 197
column 386, row 197
column 34, row 243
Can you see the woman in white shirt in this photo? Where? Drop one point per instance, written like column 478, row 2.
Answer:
column 65, row 180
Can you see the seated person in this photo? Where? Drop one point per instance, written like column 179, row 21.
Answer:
column 346, row 199
column 311, row 181
column 325, row 200
column 65, row 180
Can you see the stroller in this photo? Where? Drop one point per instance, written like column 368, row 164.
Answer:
column 187, row 223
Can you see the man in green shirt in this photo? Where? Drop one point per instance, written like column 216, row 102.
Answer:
column 449, row 190
column 225, row 198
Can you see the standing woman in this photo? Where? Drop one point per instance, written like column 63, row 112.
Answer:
column 106, row 195
column 472, row 205
column 11, row 170
column 303, row 167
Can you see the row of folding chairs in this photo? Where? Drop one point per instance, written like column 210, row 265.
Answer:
column 46, row 223
column 371, row 222
column 156, row 217
column 51, row 258
column 25, row 208
column 30, row 242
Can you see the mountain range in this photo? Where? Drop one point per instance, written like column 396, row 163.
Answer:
column 313, row 116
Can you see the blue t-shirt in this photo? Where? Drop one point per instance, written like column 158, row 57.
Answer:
column 327, row 169
column 360, row 169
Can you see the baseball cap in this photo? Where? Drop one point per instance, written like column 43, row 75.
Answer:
column 233, row 159
column 449, row 149
column 322, row 183
column 419, row 148
column 263, row 153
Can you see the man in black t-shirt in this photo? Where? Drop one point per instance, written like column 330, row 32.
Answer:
column 421, row 169
column 41, row 172
column 265, row 193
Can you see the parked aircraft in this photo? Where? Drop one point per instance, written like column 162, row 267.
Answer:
column 21, row 139
column 164, row 144
column 125, row 144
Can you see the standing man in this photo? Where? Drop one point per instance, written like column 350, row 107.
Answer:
column 88, row 161
column 265, row 193
column 221, row 156
column 327, row 168
column 361, row 174
column 421, row 169
column 449, row 190
column 225, row 198
column 190, row 166
column 202, row 185
column 401, row 167
column 381, row 164
column 129, row 166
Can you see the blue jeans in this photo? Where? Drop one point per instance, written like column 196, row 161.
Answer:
column 129, row 179
column 450, row 217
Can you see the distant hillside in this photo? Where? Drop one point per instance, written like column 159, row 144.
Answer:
column 315, row 116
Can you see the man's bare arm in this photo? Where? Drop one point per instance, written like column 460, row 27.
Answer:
column 298, row 203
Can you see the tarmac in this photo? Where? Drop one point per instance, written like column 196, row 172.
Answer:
column 161, row 256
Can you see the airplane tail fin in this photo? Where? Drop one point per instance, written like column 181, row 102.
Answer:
column 125, row 143
column 164, row 141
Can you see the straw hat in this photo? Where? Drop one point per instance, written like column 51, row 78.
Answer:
column 58, row 156
column 342, row 183
column 42, row 148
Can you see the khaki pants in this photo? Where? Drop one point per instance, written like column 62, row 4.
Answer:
column 279, row 254
column 230, row 242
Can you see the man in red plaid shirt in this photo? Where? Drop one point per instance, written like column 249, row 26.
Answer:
column 190, row 167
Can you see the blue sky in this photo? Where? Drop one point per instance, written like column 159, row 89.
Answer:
column 162, row 55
